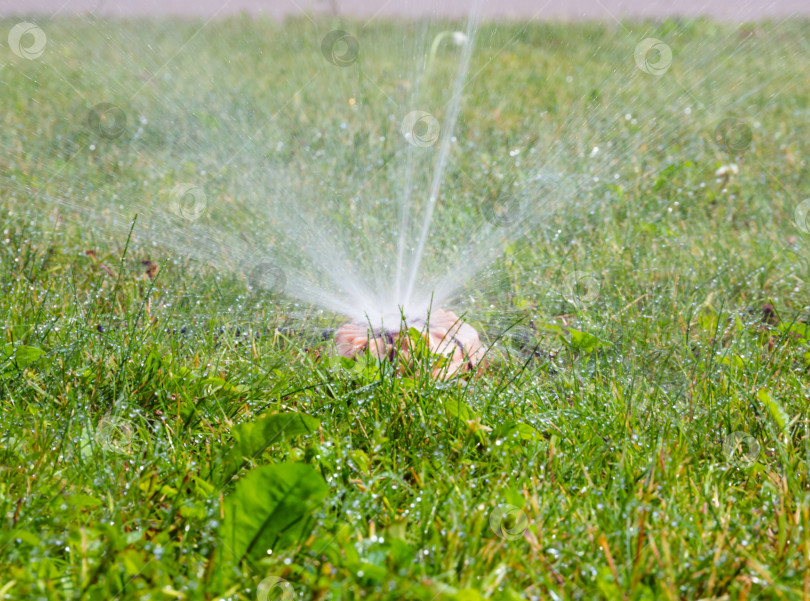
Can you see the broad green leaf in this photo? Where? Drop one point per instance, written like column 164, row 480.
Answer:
column 582, row 341
column 271, row 509
column 467, row 594
column 458, row 409
column 83, row 501
column 401, row 552
column 372, row 572
column 798, row 330
column 26, row 355
column 237, row 388
column 550, row 328
column 133, row 537
column 513, row 496
column 606, row 583
column 18, row 358
column 192, row 511
column 26, row 537
column 133, row 561
column 510, row 430
column 253, row 437
column 360, row 460
column 527, row 432
column 204, row 487
column 734, row 361
column 214, row 382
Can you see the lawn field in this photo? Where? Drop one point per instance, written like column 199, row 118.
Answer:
column 172, row 429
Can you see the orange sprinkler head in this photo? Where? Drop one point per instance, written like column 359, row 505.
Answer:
column 444, row 333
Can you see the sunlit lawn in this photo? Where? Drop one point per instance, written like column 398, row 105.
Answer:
column 169, row 432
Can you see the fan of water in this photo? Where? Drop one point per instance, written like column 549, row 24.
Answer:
column 331, row 193
column 357, row 177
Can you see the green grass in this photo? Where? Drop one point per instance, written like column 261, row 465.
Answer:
column 163, row 431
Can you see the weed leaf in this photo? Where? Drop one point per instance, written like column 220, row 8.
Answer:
column 270, row 509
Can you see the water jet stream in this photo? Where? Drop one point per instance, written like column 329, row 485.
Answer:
column 444, row 146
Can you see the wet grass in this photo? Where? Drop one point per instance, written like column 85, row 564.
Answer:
column 169, row 432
